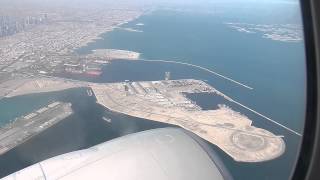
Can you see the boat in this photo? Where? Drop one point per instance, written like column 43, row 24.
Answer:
column 93, row 73
column 106, row 119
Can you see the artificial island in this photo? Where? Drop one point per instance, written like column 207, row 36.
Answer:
column 40, row 42
column 165, row 101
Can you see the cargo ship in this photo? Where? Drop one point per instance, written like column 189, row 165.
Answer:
column 93, row 70
column 93, row 73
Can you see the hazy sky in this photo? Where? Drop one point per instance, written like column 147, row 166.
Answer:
column 286, row 9
column 53, row 2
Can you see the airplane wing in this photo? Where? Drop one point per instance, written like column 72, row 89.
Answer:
column 159, row 154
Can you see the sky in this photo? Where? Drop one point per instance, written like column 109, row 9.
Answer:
column 288, row 10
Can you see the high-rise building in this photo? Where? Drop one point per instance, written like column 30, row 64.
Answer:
column 167, row 76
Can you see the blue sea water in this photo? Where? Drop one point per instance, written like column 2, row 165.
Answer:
column 89, row 128
column 86, row 126
column 274, row 69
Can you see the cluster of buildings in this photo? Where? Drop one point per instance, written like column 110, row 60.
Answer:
column 80, row 67
column 10, row 25
column 157, row 92
column 49, row 46
column 23, row 128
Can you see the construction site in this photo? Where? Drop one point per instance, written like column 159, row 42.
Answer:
column 165, row 101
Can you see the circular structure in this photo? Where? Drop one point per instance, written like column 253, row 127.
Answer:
column 248, row 142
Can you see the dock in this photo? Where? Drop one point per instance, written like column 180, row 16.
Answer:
column 164, row 101
column 27, row 126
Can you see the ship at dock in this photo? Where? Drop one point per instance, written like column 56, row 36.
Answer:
column 93, row 69
column 93, row 73
column 25, row 127
column 90, row 69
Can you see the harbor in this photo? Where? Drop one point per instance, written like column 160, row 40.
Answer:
column 164, row 101
column 25, row 127
column 89, row 121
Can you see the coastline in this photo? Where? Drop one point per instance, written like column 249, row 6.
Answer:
column 163, row 101
column 97, row 35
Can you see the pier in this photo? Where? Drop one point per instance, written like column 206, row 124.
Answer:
column 25, row 127
column 163, row 101
column 202, row 68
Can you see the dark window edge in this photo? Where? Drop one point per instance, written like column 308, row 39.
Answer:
column 308, row 163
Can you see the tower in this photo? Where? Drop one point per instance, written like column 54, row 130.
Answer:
column 126, row 87
column 167, row 76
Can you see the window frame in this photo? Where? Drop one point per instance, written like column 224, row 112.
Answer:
column 308, row 163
